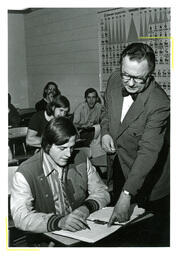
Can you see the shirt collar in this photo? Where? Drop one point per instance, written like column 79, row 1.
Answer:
column 50, row 165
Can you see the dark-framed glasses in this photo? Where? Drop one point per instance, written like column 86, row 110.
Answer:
column 137, row 80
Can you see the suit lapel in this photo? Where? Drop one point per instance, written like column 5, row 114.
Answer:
column 134, row 111
column 116, row 100
column 136, row 108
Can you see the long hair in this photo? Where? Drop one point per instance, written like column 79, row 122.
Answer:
column 58, row 131
column 59, row 101
column 46, row 89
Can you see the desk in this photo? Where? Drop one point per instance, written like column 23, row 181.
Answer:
column 64, row 241
column 135, row 234
column 16, row 137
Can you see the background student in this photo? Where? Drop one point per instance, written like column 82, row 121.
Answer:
column 50, row 91
column 60, row 106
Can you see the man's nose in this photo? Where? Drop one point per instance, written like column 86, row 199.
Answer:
column 68, row 152
column 131, row 82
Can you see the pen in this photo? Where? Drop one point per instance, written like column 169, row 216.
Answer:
column 86, row 225
column 104, row 222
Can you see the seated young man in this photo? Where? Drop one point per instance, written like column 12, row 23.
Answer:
column 56, row 188
column 87, row 118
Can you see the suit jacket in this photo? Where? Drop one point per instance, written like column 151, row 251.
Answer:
column 141, row 138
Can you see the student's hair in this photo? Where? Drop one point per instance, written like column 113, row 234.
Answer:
column 47, row 86
column 58, row 131
column 91, row 90
column 139, row 52
column 59, row 101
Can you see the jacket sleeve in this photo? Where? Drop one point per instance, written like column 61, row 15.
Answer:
column 24, row 216
column 149, row 147
column 105, row 116
column 97, row 190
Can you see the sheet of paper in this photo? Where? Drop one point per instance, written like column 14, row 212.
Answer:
column 105, row 213
column 98, row 231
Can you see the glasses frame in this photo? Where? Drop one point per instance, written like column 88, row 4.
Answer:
column 137, row 80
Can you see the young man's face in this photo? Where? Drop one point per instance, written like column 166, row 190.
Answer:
column 60, row 111
column 134, row 74
column 91, row 99
column 60, row 154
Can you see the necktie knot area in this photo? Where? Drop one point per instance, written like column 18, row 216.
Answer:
column 125, row 93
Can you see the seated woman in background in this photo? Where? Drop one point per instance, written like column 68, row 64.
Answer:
column 60, row 106
column 50, row 91
column 13, row 114
column 87, row 117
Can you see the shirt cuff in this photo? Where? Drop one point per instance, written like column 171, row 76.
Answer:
column 52, row 223
column 92, row 205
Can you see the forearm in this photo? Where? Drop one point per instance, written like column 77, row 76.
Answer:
column 30, row 221
column 34, row 141
column 104, row 124
column 24, row 215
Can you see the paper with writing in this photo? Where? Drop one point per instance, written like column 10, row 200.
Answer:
column 98, row 231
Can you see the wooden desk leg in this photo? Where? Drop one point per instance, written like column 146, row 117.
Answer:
column 14, row 149
column 25, row 151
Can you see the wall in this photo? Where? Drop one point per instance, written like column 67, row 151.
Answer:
column 17, row 73
column 62, row 46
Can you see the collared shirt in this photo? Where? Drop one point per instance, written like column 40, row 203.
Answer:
column 56, row 178
column 84, row 116
column 127, row 102
column 25, row 216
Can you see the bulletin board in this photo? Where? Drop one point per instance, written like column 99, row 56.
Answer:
column 121, row 26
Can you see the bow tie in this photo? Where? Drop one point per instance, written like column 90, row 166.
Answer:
column 125, row 93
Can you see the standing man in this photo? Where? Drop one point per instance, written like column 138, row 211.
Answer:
column 134, row 128
column 56, row 189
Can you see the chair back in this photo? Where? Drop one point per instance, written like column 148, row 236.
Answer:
column 17, row 132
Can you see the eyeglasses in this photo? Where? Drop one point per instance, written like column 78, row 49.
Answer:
column 137, row 80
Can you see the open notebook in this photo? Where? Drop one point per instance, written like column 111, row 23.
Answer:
column 99, row 231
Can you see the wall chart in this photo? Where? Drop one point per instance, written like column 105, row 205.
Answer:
column 121, row 26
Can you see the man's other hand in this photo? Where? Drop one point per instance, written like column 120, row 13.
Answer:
column 108, row 144
column 121, row 209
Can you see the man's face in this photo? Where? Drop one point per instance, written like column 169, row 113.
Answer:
column 60, row 111
column 91, row 99
column 134, row 75
column 60, row 154
column 51, row 89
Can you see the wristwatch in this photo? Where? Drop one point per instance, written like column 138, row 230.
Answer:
column 126, row 192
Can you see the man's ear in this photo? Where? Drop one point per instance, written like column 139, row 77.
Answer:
column 47, row 148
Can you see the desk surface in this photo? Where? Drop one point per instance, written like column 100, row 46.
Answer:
column 66, row 241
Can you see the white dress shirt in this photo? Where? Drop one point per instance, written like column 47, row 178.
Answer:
column 127, row 102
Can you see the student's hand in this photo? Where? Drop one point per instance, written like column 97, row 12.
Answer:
column 50, row 96
column 82, row 211
column 108, row 144
column 72, row 222
column 121, row 209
